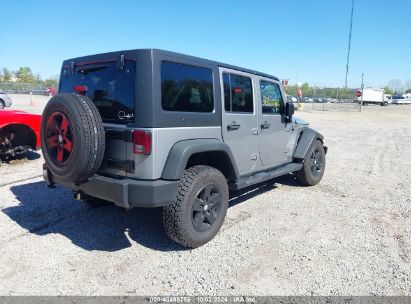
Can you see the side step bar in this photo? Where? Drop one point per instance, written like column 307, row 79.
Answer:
column 265, row 175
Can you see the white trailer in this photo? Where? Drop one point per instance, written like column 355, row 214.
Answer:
column 373, row 96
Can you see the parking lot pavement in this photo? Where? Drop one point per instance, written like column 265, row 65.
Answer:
column 29, row 103
column 349, row 235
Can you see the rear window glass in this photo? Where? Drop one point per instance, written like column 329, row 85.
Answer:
column 111, row 89
column 186, row 88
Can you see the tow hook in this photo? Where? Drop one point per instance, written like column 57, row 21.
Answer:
column 77, row 195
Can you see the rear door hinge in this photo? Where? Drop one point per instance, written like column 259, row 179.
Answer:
column 120, row 62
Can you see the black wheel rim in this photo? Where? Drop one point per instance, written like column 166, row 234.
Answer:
column 316, row 162
column 206, row 208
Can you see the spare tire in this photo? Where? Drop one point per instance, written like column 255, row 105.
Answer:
column 72, row 137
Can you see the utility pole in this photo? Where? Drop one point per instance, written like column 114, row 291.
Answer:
column 312, row 104
column 362, row 90
column 349, row 45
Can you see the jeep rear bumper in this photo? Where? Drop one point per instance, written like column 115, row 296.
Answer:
column 126, row 193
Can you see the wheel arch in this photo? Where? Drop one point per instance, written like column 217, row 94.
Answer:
column 24, row 134
column 188, row 153
column 306, row 139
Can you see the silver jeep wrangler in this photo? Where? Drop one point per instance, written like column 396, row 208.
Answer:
column 152, row 128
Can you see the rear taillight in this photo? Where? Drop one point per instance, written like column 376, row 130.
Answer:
column 81, row 89
column 142, row 142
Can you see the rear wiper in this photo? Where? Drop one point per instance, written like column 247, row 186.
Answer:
column 90, row 68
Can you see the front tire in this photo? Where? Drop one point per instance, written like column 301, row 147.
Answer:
column 313, row 165
column 200, row 207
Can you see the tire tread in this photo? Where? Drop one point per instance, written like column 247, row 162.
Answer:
column 304, row 176
column 173, row 215
column 85, row 115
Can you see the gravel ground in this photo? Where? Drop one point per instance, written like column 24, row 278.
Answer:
column 349, row 235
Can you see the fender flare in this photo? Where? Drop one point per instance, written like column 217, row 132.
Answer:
column 307, row 138
column 181, row 152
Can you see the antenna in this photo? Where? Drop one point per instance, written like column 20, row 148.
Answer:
column 349, row 44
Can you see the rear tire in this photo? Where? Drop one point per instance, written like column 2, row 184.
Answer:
column 72, row 137
column 199, row 210
column 313, row 165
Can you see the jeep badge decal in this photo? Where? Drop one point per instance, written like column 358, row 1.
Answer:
column 123, row 115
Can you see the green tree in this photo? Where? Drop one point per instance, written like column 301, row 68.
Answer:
column 6, row 74
column 37, row 78
column 306, row 90
column 51, row 81
column 387, row 90
column 291, row 90
column 24, row 74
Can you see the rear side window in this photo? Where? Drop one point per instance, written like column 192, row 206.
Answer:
column 111, row 89
column 186, row 88
column 238, row 93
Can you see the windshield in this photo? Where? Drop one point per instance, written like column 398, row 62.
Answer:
column 110, row 88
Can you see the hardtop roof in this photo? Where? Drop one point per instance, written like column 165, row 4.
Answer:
column 176, row 55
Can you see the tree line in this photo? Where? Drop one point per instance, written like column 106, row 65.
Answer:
column 337, row 93
column 314, row 91
column 26, row 75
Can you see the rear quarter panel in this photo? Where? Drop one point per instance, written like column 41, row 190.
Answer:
column 163, row 139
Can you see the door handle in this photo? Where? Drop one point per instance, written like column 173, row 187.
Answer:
column 265, row 125
column 233, row 126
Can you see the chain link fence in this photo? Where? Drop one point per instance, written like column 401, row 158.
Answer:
column 337, row 99
column 322, row 98
column 27, row 88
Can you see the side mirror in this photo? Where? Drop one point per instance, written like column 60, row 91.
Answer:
column 289, row 111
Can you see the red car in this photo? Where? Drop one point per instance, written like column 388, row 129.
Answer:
column 19, row 132
column 52, row 91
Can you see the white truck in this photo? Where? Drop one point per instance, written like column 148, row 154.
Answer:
column 374, row 96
